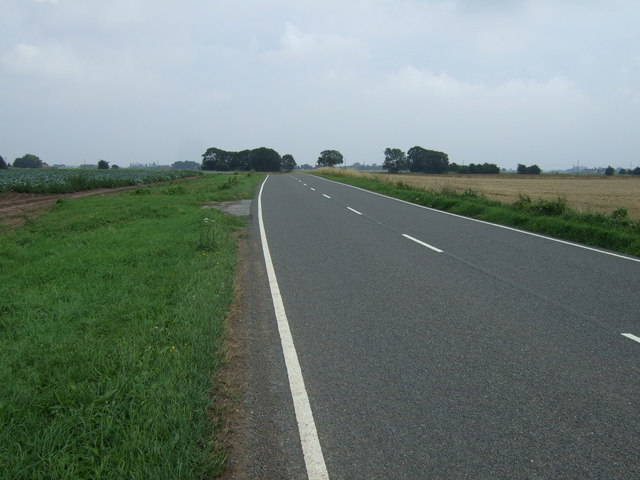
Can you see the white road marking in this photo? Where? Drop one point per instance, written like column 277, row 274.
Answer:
column 313, row 189
column 632, row 337
column 557, row 240
column 354, row 211
column 304, row 184
column 326, row 195
column 422, row 243
column 313, row 457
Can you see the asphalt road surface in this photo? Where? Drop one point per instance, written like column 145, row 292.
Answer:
column 437, row 347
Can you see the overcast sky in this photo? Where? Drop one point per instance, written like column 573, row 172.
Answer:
column 552, row 82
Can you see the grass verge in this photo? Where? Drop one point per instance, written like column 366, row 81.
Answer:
column 111, row 318
column 550, row 217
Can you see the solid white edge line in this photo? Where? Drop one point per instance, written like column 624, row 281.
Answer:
column 557, row 240
column 313, row 457
column 422, row 243
column 325, row 195
column 354, row 210
column 631, row 336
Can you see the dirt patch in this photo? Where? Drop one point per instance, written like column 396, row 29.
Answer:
column 227, row 415
column 239, row 208
column 17, row 208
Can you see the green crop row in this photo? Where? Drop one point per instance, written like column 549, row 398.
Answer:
column 72, row 180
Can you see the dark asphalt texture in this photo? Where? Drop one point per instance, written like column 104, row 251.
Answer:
column 500, row 358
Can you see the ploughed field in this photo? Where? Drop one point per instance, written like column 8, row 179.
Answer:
column 586, row 193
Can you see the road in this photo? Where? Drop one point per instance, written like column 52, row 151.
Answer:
column 434, row 346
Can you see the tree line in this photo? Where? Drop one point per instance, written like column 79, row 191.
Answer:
column 422, row 160
column 261, row 159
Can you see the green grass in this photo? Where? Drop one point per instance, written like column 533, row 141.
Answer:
column 111, row 321
column 550, row 217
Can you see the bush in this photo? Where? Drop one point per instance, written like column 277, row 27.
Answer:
column 553, row 208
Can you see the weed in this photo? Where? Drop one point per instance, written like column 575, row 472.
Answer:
column 207, row 236
column 174, row 190
column 231, row 182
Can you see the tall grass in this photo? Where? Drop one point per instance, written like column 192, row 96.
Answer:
column 111, row 318
column 551, row 217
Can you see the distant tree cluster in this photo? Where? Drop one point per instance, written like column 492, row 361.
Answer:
column 259, row 159
column 629, row 171
column 531, row 170
column 3, row 164
column 473, row 168
column 417, row 159
column 360, row 166
column 28, row 161
column 427, row 161
column 186, row 165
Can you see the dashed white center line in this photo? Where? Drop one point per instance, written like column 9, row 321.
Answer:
column 354, row 211
column 313, row 189
column 422, row 243
column 327, row 196
column 632, row 337
column 304, row 184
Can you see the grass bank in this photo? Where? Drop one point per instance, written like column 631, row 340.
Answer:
column 111, row 318
column 615, row 231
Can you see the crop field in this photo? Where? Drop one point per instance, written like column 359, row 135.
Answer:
column 584, row 193
column 29, row 180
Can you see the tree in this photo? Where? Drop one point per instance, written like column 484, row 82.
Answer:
column 28, row 161
column 114, row 167
column 265, row 159
column 260, row 159
column 186, row 165
column 288, row 162
column 427, row 161
column 103, row 165
column 394, row 160
column 609, row 171
column 3, row 164
column 473, row 168
column 532, row 170
column 211, row 157
column 329, row 158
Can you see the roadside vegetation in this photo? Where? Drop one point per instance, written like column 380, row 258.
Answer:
column 51, row 180
column 111, row 322
column 614, row 231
